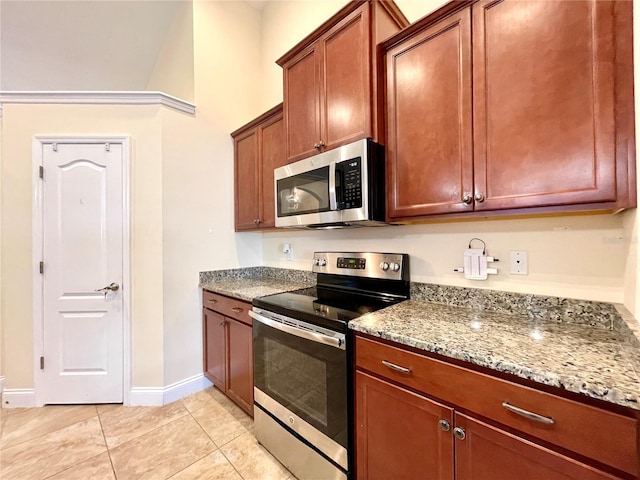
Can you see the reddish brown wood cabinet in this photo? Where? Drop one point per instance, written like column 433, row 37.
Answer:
column 401, row 427
column 506, row 105
column 399, row 434
column 331, row 95
column 258, row 150
column 228, row 347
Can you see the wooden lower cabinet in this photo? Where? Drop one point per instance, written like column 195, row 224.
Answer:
column 489, row 453
column 215, row 352
column 228, row 348
column 240, row 367
column 403, row 433
column 398, row 434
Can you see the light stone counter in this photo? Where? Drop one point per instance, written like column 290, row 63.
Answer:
column 600, row 360
column 590, row 348
column 249, row 283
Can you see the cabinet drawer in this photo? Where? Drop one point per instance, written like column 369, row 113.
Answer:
column 595, row 433
column 229, row 307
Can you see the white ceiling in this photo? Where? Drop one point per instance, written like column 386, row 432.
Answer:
column 81, row 44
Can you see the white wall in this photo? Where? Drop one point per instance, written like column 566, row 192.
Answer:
column 181, row 199
column 20, row 124
column 632, row 224
column 173, row 71
column 198, row 219
column 574, row 256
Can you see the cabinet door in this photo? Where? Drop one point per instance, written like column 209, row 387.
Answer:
column 215, row 354
column 247, row 181
column 543, row 76
column 398, row 435
column 302, row 104
column 240, row 371
column 429, row 125
column 488, row 453
column 273, row 156
column 346, row 87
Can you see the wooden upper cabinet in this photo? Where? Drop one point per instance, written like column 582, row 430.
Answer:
column 331, row 96
column 247, row 180
column 302, row 90
column 544, row 119
column 273, row 156
column 511, row 106
column 429, row 136
column 346, row 86
column 258, row 150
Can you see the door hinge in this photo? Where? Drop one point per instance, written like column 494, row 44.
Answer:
column 41, row 363
column 41, row 171
column 54, row 146
column 107, row 147
column 41, row 267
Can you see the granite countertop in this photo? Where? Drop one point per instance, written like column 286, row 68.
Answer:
column 594, row 360
column 589, row 348
column 249, row 283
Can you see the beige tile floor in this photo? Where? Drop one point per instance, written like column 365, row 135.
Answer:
column 202, row 436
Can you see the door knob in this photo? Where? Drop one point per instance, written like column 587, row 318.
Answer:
column 113, row 287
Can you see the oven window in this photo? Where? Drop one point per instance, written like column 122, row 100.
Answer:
column 304, row 193
column 298, row 378
column 306, row 377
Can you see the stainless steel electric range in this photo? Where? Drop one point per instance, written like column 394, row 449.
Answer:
column 303, row 377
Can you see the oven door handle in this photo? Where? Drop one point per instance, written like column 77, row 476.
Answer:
column 313, row 336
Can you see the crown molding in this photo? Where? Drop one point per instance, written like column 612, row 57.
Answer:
column 97, row 98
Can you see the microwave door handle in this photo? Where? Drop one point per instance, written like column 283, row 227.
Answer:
column 333, row 205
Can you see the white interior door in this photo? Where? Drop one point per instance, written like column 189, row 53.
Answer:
column 82, row 197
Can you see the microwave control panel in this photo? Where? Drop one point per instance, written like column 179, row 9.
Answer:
column 350, row 172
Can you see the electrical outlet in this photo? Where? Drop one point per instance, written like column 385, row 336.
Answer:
column 519, row 262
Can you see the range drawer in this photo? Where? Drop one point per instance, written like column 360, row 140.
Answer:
column 229, row 307
column 595, row 433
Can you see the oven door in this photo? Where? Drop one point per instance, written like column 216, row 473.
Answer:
column 300, row 378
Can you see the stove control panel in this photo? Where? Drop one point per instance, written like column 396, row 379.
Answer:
column 392, row 266
column 352, row 262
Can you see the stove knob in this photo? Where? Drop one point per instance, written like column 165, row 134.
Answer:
column 322, row 262
column 394, row 267
column 384, row 266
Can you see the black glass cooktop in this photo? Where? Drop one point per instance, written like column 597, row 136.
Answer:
column 328, row 308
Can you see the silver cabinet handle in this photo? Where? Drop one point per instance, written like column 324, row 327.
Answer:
column 398, row 368
column 321, row 144
column 467, row 199
column 527, row 414
column 237, row 309
column 212, row 300
column 459, row 433
column 479, row 197
column 444, row 424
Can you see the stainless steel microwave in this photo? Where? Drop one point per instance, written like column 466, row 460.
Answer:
column 343, row 187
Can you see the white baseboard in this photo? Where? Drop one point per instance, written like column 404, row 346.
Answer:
column 141, row 396
column 154, row 397
column 18, row 397
column 185, row 387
